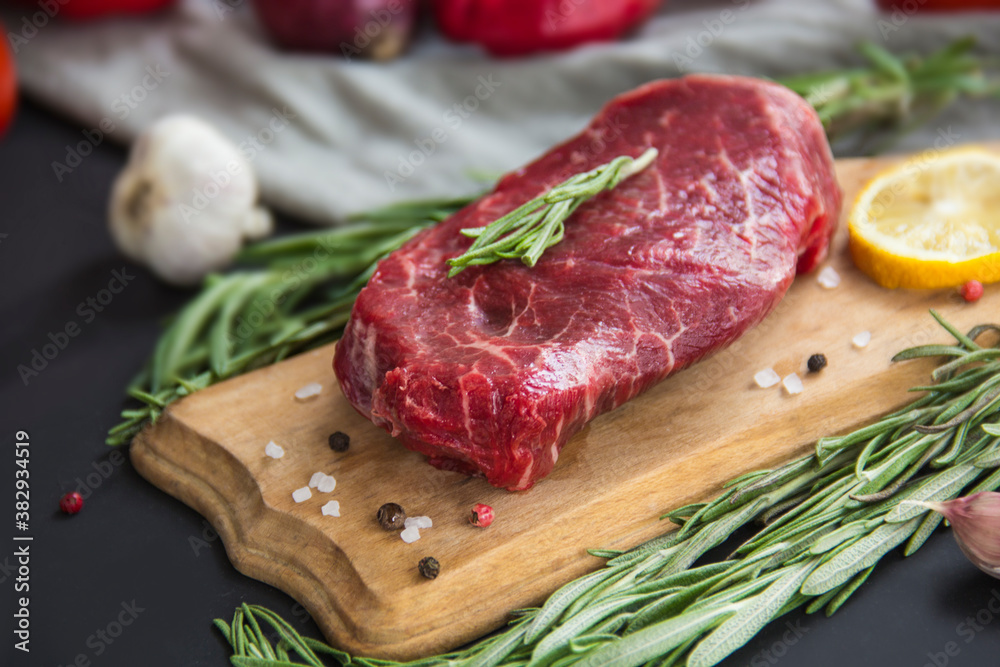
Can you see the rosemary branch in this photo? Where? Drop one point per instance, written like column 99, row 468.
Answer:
column 899, row 92
column 532, row 228
column 822, row 539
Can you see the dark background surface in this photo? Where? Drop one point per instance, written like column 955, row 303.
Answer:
column 135, row 546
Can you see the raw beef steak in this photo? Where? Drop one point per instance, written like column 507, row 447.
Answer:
column 493, row 370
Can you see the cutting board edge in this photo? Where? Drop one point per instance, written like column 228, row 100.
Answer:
column 242, row 537
column 243, row 541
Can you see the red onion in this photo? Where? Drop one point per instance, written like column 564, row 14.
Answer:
column 377, row 29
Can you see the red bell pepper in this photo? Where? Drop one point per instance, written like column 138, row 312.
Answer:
column 911, row 6
column 516, row 27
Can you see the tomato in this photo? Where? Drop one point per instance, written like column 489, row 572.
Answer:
column 8, row 86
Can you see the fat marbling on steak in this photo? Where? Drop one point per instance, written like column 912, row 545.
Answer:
column 493, row 370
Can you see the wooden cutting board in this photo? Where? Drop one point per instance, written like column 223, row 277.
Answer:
column 674, row 445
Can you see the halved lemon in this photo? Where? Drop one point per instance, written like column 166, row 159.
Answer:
column 932, row 221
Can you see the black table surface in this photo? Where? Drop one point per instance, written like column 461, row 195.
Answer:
column 136, row 577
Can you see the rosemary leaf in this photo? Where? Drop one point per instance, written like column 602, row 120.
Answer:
column 930, row 351
column 655, row 640
column 224, row 629
column 497, row 652
column 863, row 554
column 558, row 640
column 624, row 576
column 669, row 606
column 287, row 632
column 530, row 229
column 250, row 661
column 713, row 535
column 847, row 591
column 944, row 486
column 751, row 618
column 838, row 537
column 681, row 580
column 818, row 603
column 991, row 457
column 924, row 531
column 559, row 601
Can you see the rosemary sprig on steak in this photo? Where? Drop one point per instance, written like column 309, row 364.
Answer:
column 532, row 228
column 827, row 520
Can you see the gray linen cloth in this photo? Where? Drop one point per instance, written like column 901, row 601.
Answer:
column 329, row 136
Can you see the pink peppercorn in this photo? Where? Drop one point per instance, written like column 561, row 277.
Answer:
column 971, row 291
column 482, row 515
column 71, row 503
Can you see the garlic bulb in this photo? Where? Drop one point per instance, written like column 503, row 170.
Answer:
column 186, row 201
column 975, row 521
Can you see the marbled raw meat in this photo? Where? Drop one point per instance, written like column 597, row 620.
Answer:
column 492, row 371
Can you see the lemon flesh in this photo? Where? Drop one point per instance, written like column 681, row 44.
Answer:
column 930, row 222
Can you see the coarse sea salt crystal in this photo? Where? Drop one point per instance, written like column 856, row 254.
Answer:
column 419, row 522
column 766, row 378
column 308, row 391
column 301, row 495
column 828, row 277
column 862, row 339
column 792, row 384
column 316, row 479
column 332, row 508
column 274, row 450
column 410, row 535
column 327, row 484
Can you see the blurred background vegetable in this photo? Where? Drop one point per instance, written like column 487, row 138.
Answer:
column 517, row 27
column 376, row 29
column 938, row 5
column 8, row 87
column 91, row 9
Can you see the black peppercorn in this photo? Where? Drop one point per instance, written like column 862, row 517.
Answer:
column 339, row 441
column 391, row 516
column 429, row 567
column 816, row 363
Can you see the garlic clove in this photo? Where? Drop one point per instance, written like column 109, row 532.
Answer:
column 975, row 521
column 186, row 201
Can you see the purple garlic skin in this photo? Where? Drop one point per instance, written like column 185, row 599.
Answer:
column 975, row 521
